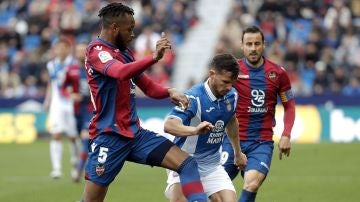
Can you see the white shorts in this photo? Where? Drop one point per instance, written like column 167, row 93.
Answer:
column 214, row 182
column 62, row 120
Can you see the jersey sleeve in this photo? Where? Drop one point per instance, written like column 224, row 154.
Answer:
column 285, row 93
column 103, row 61
column 185, row 115
column 150, row 88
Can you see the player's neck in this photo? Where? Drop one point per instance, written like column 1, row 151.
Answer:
column 257, row 65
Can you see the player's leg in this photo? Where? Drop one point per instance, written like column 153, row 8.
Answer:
column 155, row 150
column 227, row 159
column 56, row 147
column 56, row 150
column 218, row 186
column 107, row 154
column 84, row 136
column 186, row 166
column 94, row 192
column 259, row 156
column 72, row 132
column 173, row 191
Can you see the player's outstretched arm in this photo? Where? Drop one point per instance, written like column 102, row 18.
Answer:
column 175, row 127
column 232, row 129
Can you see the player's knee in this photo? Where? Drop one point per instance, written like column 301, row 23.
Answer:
column 188, row 163
column 252, row 185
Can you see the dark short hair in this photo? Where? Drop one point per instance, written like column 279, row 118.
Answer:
column 252, row 29
column 111, row 11
column 225, row 62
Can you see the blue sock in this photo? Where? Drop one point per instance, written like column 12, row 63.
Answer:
column 247, row 196
column 83, row 155
column 190, row 181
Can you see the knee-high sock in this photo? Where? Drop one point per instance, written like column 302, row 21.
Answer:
column 247, row 196
column 190, row 181
column 83, row 155
column 56, row 154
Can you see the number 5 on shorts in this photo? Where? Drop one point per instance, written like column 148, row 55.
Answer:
column 102, row 154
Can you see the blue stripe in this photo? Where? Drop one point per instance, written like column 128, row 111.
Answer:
column 108, row 101
column 108, row 65
column 257, row 82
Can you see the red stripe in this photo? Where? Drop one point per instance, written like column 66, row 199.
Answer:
column 192, row 188
column 242, row 86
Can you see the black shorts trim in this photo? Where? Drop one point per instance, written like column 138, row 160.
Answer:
column 157, row 155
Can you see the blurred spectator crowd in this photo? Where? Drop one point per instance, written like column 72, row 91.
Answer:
column 28, row 28
column 316, row 41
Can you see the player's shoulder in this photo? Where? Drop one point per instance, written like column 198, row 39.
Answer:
column 195, row 90
column 272, row 66
column 98, row 46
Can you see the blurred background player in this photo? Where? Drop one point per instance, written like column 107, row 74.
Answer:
column 76, row 77
column 200, row 129
column 115, row 132
column 61, row 110
column 259, row 83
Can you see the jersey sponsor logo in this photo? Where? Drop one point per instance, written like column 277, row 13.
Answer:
column 104, row 56
column 257, row 101
column 257, row 97
column 217, row 133
column 210, row 109
column 99, row 48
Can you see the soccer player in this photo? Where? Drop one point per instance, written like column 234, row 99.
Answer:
column 76, row 78
column 259, row 83
column 115, row 132
column 212, row 103
column 61, row 110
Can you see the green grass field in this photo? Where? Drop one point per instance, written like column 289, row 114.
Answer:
column 318, row 172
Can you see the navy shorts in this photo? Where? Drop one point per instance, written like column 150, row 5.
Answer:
column 258, row 153
column 108, row 153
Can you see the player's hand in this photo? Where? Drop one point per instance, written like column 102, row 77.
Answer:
column 284, row 146
column 203, row 127
column 161, row 45
column 240, row 160
column 178, row 98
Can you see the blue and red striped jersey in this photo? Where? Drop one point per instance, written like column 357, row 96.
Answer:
column 113, row 98
column 258, row 90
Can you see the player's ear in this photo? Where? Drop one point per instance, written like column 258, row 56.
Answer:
column 211, row 72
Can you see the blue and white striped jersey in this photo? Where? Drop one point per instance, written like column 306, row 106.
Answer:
column 204, row 106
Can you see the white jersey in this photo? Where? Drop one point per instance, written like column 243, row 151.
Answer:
column 61, row 112
column 204, row 106
column 57, row 72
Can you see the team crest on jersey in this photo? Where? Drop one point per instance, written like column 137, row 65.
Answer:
column 100, row 169
column 104, row 56
column 228, row 105
column 99, row 48
column 272, row 75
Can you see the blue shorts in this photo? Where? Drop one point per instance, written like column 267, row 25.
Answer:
column 258, row 153
column 108, row 153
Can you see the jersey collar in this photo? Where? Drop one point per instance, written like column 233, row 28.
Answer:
column 208, row 91
column 106, row 42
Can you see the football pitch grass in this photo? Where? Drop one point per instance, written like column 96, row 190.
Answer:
column 314, row 172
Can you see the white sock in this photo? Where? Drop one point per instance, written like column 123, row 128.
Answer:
column 74, row 153
column 56, row 154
